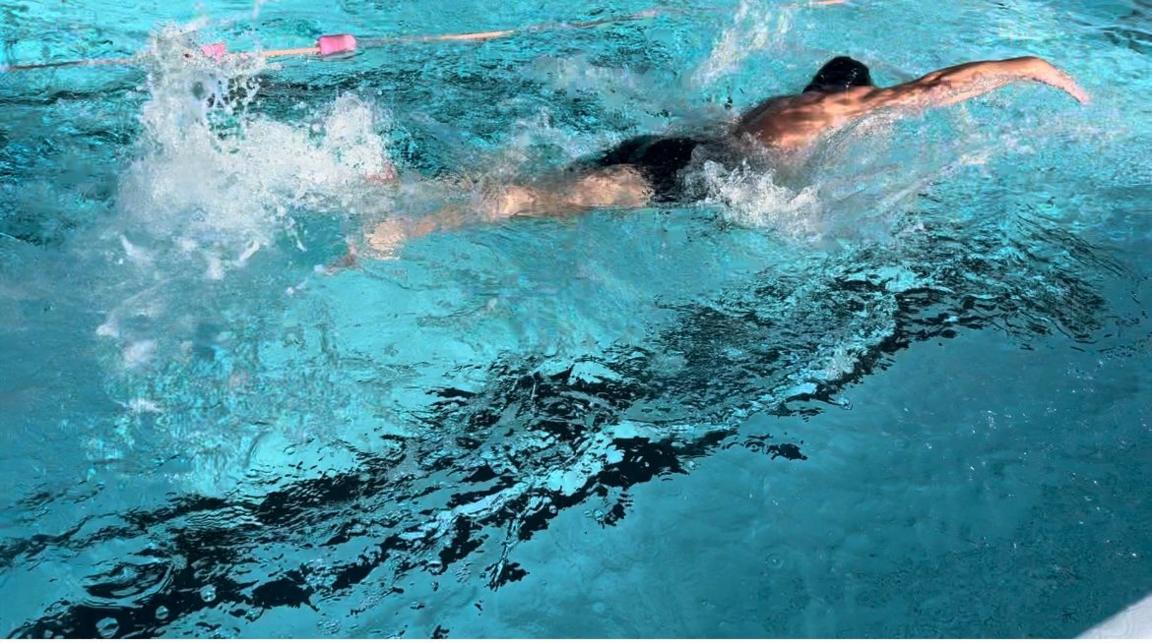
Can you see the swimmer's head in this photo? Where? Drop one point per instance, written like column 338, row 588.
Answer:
column 839, row 74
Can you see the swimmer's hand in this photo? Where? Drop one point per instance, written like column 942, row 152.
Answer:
column 1047, row 73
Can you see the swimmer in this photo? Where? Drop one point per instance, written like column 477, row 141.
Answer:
column 651, row 169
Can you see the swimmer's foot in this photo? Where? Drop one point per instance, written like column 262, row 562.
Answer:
column 385, row 240
column 386, row 176
column 510, row 201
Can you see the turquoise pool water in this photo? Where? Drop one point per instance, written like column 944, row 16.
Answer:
column 904, row 393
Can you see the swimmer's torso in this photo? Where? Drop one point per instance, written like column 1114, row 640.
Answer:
column 791, row 123
column 775, row 131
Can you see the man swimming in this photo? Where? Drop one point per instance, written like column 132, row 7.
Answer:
column 655, row 169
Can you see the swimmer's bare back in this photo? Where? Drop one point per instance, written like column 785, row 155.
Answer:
column 794, row 122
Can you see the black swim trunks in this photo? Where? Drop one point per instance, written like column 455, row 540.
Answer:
column 660, row 160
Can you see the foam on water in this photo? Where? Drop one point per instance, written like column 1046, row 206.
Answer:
column 664, row 98
column 220, row 180
column 751, row 197
column 214, row 184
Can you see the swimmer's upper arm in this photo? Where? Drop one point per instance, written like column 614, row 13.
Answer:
column 963, row 82
column 941, row 87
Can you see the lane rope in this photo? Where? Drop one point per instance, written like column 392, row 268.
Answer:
column 339, row 45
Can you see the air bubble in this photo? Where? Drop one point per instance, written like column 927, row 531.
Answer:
column 107, row 627
column 208, row 594
column 161, row 613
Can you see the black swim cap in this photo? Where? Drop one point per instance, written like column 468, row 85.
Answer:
column 839, row 74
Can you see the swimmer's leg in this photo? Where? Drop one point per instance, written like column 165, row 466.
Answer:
column 617, row 186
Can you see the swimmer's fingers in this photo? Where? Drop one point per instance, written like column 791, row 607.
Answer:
column 1067, row 84
column 1063, row 81
column 1070, row 87
column 1080, row 94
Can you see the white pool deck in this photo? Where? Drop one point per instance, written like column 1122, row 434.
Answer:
column 1135, row 622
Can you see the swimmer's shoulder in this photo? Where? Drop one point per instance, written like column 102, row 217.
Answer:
column 830, row 109
column 785, row 106
column 763, row 108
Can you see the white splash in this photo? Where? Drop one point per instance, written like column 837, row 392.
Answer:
column 752, row 198
column 621, row 88
column 137, row 354
column 220, row 183
column 755, row 27
column 213, row 185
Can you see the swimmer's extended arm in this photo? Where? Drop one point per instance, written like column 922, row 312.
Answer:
column 964, row 82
